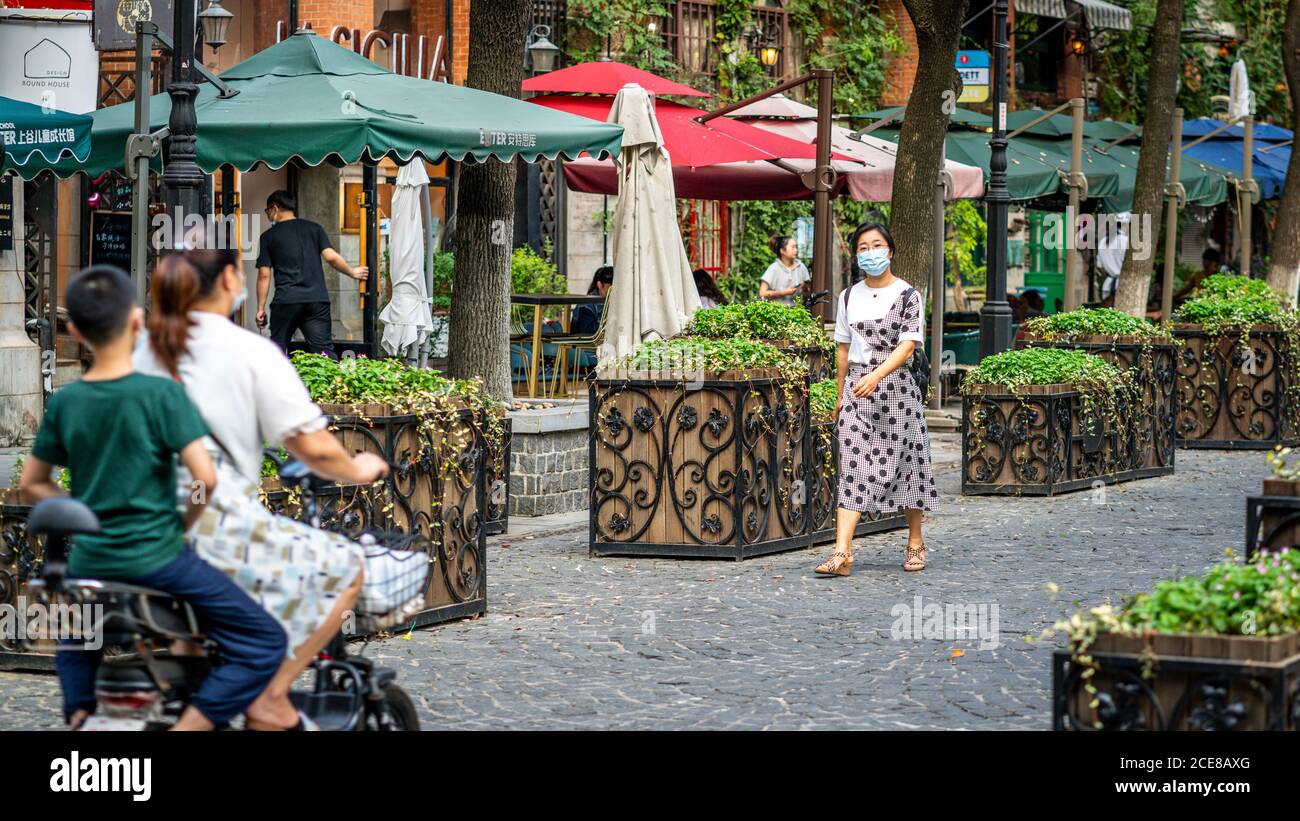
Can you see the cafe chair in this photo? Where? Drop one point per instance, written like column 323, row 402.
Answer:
column 570, row 350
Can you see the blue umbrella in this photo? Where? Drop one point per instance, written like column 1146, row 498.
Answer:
column 30, row 132
column 1264, row 132
column 1229, row 154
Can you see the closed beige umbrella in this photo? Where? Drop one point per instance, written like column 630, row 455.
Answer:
column 654, row 294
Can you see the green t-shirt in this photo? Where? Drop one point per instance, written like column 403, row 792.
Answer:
column 119, row 439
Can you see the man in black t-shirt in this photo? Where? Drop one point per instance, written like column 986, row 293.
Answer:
column 292, row 249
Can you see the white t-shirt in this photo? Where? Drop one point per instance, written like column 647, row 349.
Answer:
column 872, row 303
column 778, row 278
column 243, row 386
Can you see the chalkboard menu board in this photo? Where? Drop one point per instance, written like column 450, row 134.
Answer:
column 110, row 239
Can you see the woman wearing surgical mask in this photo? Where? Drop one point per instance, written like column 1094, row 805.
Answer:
column 884, row 446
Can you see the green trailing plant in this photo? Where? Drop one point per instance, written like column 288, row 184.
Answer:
column 1083, row 322
column 821, row 398
column 1280, row 465
column 766, row 321
column 1229, row 302
column 62, row 477
column 700, row 354
column 1018, row 369
column 422, row 392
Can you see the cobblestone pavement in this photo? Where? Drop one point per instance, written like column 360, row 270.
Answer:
column 572, row 642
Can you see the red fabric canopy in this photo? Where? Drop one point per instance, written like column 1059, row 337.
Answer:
column 691, row 144
column 729, row 181
column 606, row 78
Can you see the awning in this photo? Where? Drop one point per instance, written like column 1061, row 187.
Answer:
column 30, row 132
column 1099, row 14
column 311, row 100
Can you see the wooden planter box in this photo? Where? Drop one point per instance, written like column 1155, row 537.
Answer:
column 724, row 467
column 1229, row 398
column 825, row 475
column 449, row 511
column 1196, row 683
column 819, row 365
column 1150, row 441
column 1038, row 443
column 1273, row 519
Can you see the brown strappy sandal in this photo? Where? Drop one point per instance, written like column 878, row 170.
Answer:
column 915, row 558
column 839, row 564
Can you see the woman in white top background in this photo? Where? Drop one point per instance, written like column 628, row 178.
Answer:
column 884, row 446
column 787, row 275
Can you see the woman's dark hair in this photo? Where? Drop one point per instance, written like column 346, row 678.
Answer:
column 181, row 279
column 605, row 274
column 779, row 242
column 705, row 286
column 864, row 228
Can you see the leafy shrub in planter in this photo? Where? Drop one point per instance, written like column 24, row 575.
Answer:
column 699, row 354
column 1046, row 366
column 1085, row 322
column 1224, row 301
column 768, row 321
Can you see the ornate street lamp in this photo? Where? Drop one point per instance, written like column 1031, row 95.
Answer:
column 542, row 53
column 995, row 315
column 215, row 21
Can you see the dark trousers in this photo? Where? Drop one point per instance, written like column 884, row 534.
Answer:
column 312, row 318
column 253, row 644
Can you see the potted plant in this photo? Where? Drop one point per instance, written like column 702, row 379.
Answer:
column 1147, row 351
column 1218, row 651
column 442, row 436
column 791, row 328
column 1237, row 371
column 700, row 447
column 825, row 471
column 1041, row 421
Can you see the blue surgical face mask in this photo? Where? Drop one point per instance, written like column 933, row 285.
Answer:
column 874, row 262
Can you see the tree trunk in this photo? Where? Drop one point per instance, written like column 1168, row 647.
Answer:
column 479, row 343
column 1284, row 263
column 920, row 140
column 1157, row 129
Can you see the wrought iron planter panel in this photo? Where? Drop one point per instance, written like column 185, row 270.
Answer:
column 1041, row 443
column 1150, row 440
column 497, row 520
column 713, row 469
column 1273, row 519
column 1202, row 683
column 20, row 562
column 1234, row 395
column 416, row 496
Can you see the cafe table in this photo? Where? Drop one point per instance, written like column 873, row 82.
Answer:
column 539, row 303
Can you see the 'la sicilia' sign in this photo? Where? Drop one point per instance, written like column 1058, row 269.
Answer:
column 420, row 62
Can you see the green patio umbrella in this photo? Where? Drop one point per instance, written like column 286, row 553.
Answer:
column 313, row 100
column 37, row 135
column 1028, row 177
column 962, row 116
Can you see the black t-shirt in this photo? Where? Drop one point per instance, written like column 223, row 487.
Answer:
column 292, row 249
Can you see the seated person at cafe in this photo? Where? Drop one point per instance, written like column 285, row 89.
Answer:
column 710, row 296
column 1211, row 263
column 586, row 318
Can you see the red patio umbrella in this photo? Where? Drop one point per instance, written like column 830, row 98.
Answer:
column 606, row 77
column 722, row 159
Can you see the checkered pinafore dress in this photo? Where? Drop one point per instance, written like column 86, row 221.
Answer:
column 884, row 443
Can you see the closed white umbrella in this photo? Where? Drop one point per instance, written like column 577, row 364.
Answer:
column 1238, row 91
column 407, row 318
column 653, row 295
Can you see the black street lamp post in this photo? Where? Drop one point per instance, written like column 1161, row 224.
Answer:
column 182, row 178
column 995, row 315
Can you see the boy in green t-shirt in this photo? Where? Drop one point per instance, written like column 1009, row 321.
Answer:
column 119, row 433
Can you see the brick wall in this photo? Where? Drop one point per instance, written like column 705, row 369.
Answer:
column 901, row 73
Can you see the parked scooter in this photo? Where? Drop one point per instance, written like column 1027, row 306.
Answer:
column 142, row 685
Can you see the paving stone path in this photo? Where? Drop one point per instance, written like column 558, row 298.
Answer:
column 572, row 642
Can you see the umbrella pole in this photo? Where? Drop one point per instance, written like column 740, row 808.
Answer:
column 937, row 296
column 1072, row 258
column 1247, row 203
column 1171, row 219
column 138, row 163
column 422, row 355
column 822, row 186
column 370, row 200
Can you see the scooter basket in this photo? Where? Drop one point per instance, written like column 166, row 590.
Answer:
column 397, row 570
